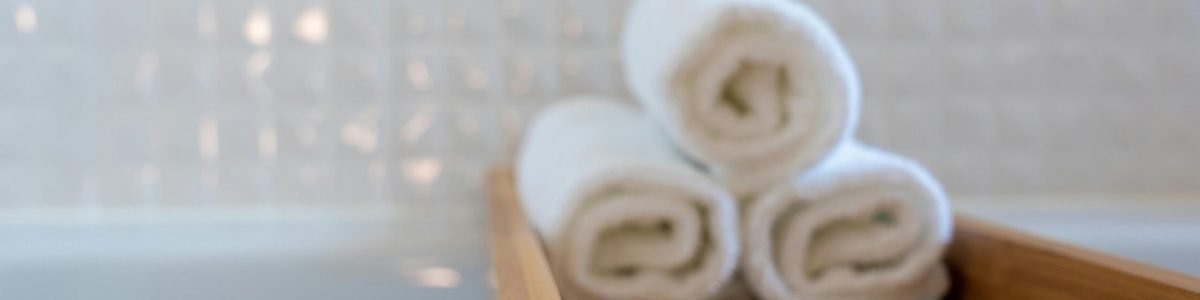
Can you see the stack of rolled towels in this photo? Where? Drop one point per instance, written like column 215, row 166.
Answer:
column 737, row 177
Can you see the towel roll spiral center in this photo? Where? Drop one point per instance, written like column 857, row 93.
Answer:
column 846, row 236
column 757, row 90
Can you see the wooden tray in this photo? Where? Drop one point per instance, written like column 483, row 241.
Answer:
column 987, row 261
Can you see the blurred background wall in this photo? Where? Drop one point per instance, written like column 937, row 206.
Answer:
column 139, row 103
column 1033, row 96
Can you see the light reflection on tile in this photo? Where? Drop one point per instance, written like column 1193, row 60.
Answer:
column 361, row 136
column 418, row 125
column 209, row 139
column 268, row 143
column 312, row 26
column 418, row 74
column 422, row 171
column 257, row 28
column 436, row 277
column 25, row 18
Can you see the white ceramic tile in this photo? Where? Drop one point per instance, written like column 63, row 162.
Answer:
column 868, row 18
column 64, row 185
column 1177, row 16
column 296, row 76
column 915, row 131
column 1020, row 68
column 307, row 133
column 126, row 23
column 188, row 22
column 1022, row 126
column 176, row 132
column 240, row 133
column 415, row 21
column 914, row 71
column 310, row 181
column 473, row 73
column 584, row 21
column 530, row 72
column 17, row 188
column 358, row 75
column 968, row 70
column 241, row 183
column 183, row 75
column 530, row 20
column 182, row 185
column 873, row 122
column 968, row 124
column 470, row 20
column 358, row 23
column 477, row 131
column 73, row 137
column 916, row 19
column 362, row 181
column 129, row 185
column 588, row 71
column 128, row 136
column 25, row 131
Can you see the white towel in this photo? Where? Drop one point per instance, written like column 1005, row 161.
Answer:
column 756, row 90
column 863, row 225
column 621, row 214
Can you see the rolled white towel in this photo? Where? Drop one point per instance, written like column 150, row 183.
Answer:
column 863, row 225
column 756, row 90
column 622, row 215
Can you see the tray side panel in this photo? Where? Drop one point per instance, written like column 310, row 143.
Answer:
column 993, row 262
column 521, row 269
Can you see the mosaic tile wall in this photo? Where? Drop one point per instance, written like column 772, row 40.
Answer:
column 1033, row 96
column 186, row 103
